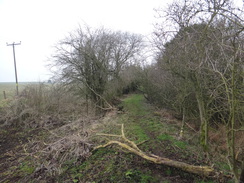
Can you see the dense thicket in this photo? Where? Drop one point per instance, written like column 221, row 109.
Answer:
column 199, row 69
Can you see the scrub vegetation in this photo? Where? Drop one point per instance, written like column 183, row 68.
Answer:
column 109, row 117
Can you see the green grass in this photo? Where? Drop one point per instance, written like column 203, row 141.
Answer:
column 109, row 165
column 165, row 137
column 26, row 168
column 175, row 142
column 134, row 105
column 114, row 164
column 10, row 89
column 137, row 133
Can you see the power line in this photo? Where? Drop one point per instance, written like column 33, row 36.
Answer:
column 16, row 77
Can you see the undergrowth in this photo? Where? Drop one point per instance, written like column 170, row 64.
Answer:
column 64, row 153
column 113, row 164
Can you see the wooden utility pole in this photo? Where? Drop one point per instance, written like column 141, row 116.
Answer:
column 16, row 76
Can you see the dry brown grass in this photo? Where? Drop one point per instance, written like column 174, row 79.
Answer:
column 61, row 145
column 217, row 137
column 41, row 106
column 62, row 119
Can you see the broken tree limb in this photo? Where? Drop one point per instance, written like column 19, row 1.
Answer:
column 205, row 171
column 199, row 170
column 123, row 137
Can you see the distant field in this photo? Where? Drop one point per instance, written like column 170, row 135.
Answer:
column 10, row 89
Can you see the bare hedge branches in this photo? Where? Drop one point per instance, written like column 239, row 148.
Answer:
column 200, row 51
column 93, row 58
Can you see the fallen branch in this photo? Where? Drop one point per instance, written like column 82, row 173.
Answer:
column 199, row 170
column 205, row 171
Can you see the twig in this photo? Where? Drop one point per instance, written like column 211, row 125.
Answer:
column 141, row 142
column 190, row 127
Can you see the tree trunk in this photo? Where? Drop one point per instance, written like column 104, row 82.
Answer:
column 242, row 174
column 230, row 128
column 204, row 122
column 182, row 123
column 202, row 110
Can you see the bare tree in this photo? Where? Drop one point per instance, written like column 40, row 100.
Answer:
column 91, row 58
column 230, row 88
column 204, row 48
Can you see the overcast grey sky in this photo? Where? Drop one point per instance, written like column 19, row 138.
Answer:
column 39, row 24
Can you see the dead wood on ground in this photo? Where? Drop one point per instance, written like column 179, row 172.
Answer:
column 204, row 171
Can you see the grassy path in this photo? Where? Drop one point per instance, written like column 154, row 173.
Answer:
column 153, row 132
column 142, row 123
column 113, row 164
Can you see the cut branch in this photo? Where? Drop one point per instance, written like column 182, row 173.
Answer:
column 205, row 171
